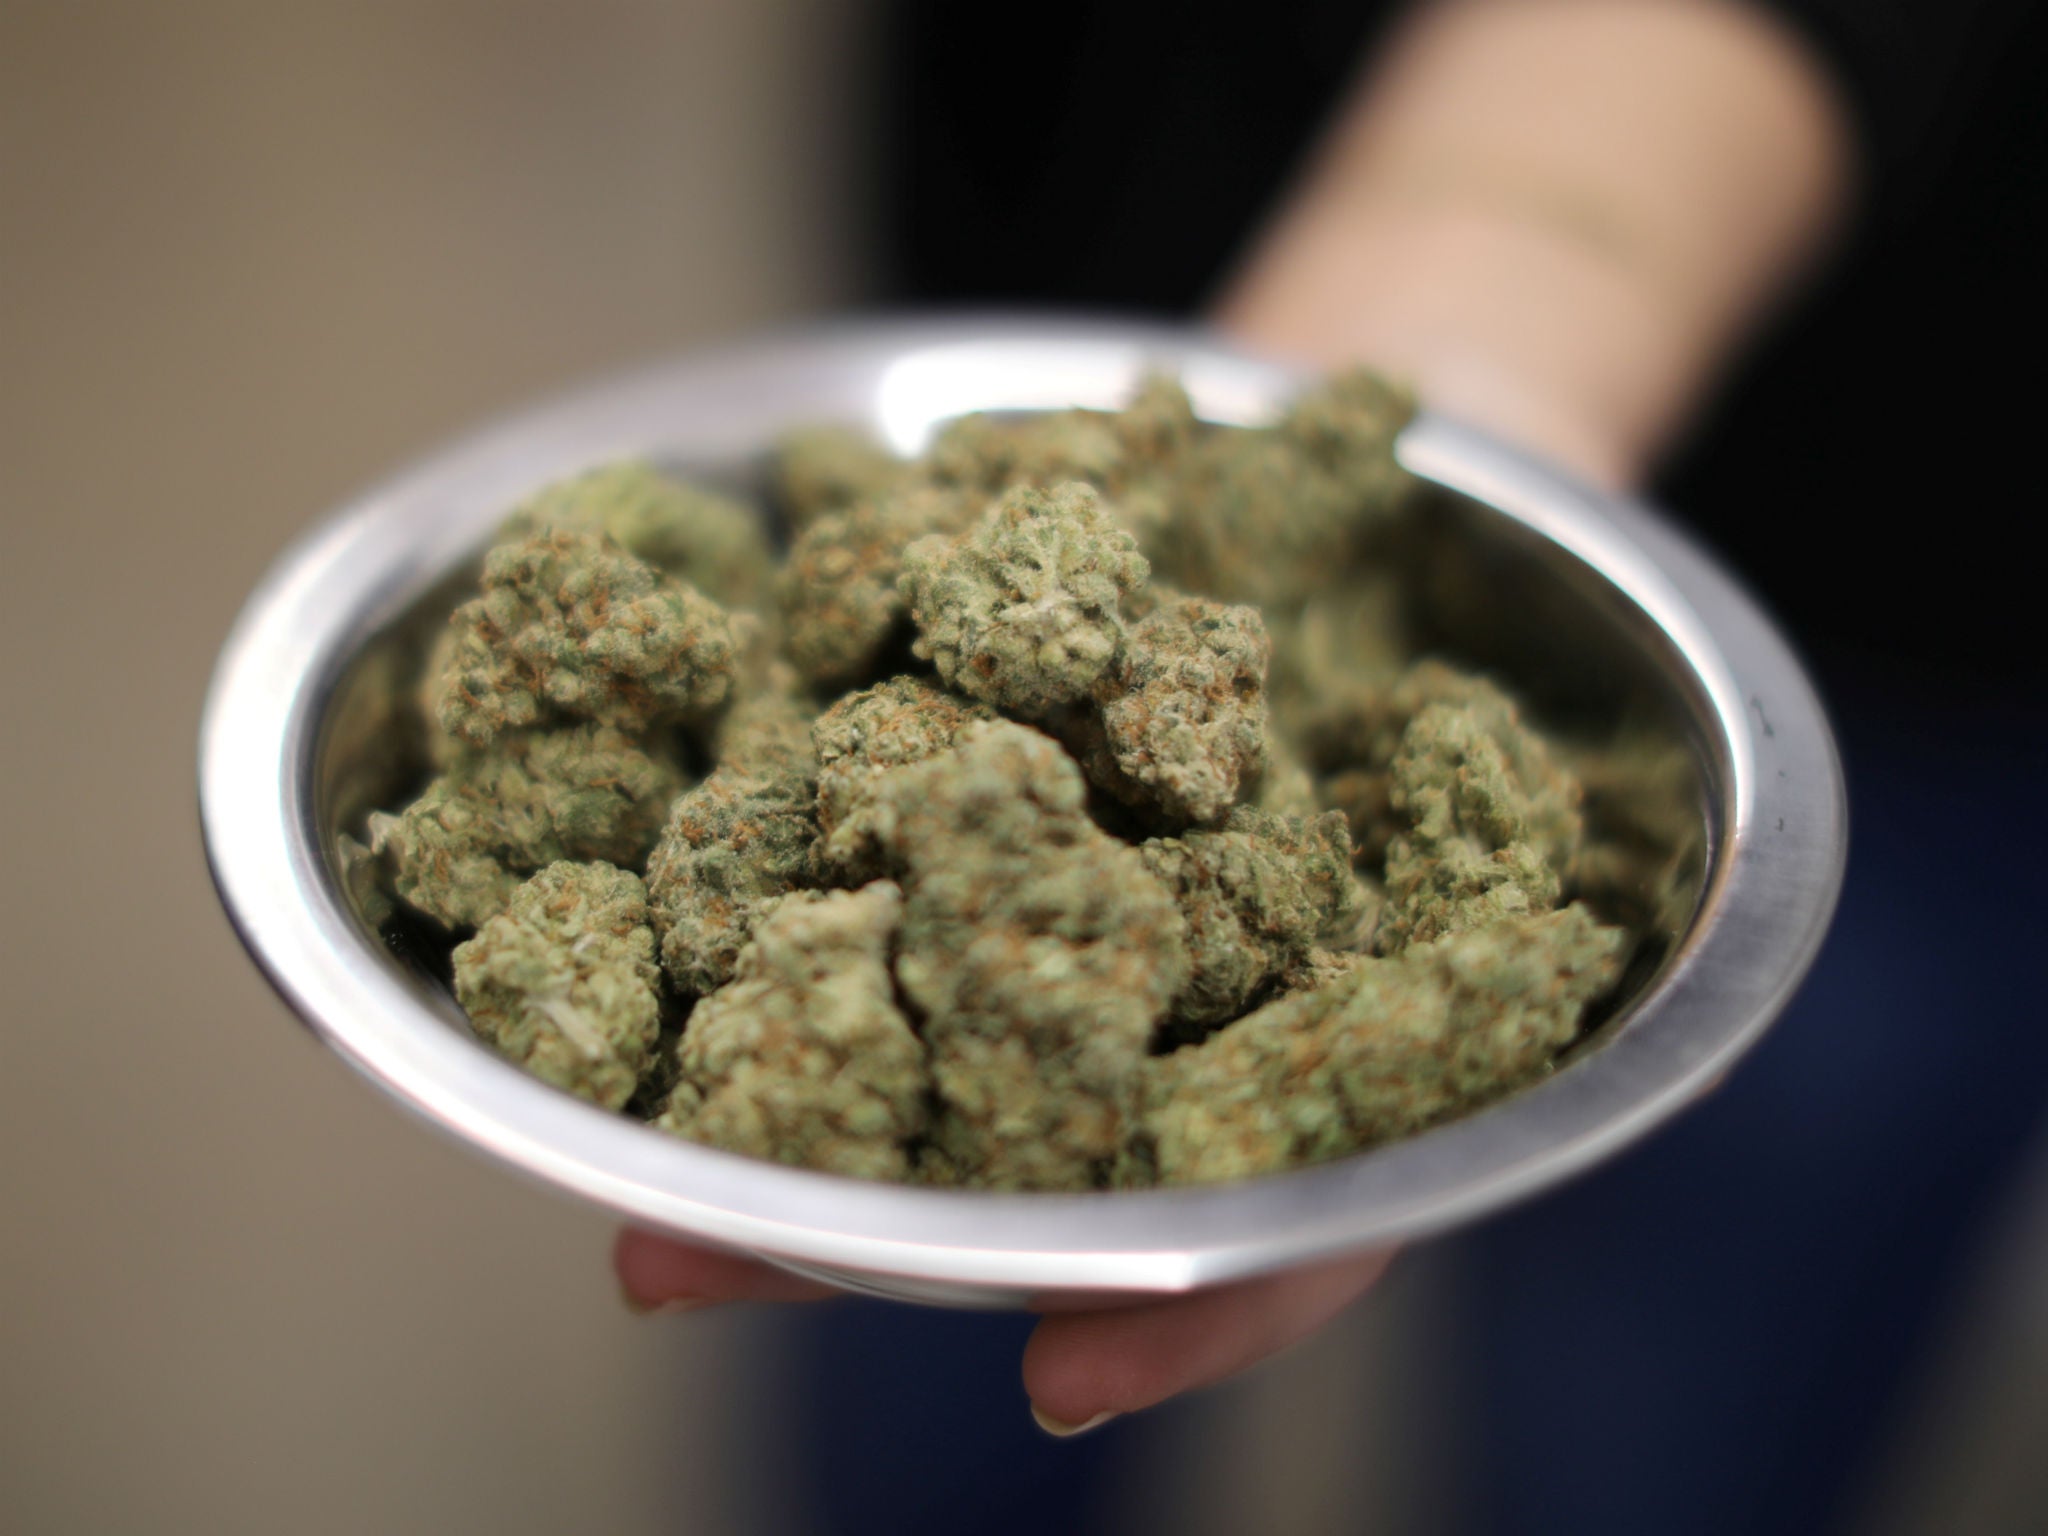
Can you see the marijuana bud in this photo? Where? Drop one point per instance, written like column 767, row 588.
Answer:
column 838, row 592
column 1257, row 896
column 712, row 542
column 1129, row 455
column 1024, row 610
column 570, row 626
column 529, row 800
column 1157, row 426
column 1492, row 822
column 1276, row 514
column 1346, row 427
column 767, row 732
column 804, row 1056
column 1039, row 950
column 904, row 720
column 732, row 846
column 1336, row 655
column 991, row 454
column 563, row 981
column 1183, row 711
column 1387, row 1047
column 827, row 469
column 1350, row 735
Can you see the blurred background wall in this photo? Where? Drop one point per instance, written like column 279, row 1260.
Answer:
column 252, row 255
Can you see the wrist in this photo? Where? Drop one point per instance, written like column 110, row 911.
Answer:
column 1531, row 330
column 1556, row 217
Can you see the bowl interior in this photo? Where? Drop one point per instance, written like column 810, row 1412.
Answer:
column 1601, row 677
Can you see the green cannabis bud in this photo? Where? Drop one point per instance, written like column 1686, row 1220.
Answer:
column 838, row 592
column 712, row 542
column 563, row 980
column 1346, row 426
column 1387, row 1047
column 991, row 454
column 1110, row 450
column 1258, row 896
column 1493, row 823
column 1157, row 426
column 531, row 799
column 1349, row 736
column 733, row 846
column 1276, row 514
column 1039, row 950
column 1645, row 847
column 805, row 1057
column 1336, row 655
column 768, row 732
column 1183, row 711
column 817, row 470
column 1128, row 455
column 568, row 626
column 904, row 720
column 1284, row 786
column 1024, row 611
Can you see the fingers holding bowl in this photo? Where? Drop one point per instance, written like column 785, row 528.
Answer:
column 1080, row 1369
column 659, row 1274
column 1083, row 1368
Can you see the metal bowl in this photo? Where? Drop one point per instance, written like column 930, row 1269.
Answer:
column 1591, row 603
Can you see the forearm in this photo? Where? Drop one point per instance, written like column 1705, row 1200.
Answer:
column 1557, row 216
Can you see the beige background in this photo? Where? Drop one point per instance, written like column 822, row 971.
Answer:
column 251, row 255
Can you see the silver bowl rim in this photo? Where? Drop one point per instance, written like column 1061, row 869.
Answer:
column 1778, row 862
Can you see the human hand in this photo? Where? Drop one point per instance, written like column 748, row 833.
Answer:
column 1080, row 1368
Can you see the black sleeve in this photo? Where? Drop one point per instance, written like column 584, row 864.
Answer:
column 1081, row 154
column 1911, row 73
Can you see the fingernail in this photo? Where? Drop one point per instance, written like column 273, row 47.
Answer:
column 667, row 1308
column 1060, row 1429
